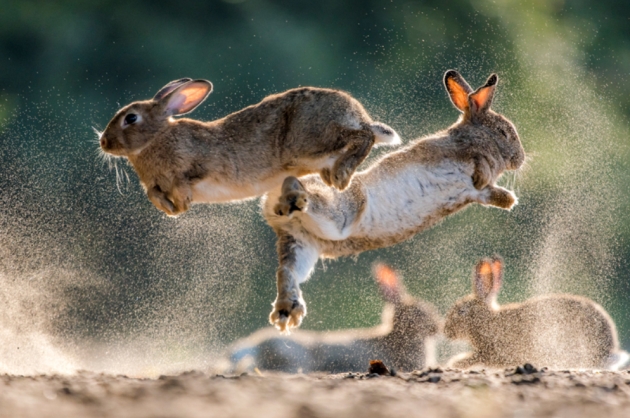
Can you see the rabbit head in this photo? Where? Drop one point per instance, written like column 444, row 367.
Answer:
column 476, row 114
column 411, row 317
column 471, row 314
column 135, row 125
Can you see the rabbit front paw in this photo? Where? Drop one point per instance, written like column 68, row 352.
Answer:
column 172, row 204
column 287, row 313
column 483, row 173
column 499, row 197
column 342, row 177
column 161, row 201
column 181, row 198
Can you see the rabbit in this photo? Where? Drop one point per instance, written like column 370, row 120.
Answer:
column 401, row 341
column 558, row 330
column 401, row 194
column 245, row 154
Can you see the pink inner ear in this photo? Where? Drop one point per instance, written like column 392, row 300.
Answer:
column 481, row 97
column 194, row 94
column 459, row 96
column 483, row 279
column 388, row 283
column 187, row 98
column 386, row 276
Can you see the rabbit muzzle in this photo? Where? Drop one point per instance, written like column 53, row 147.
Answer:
column 112, row 145
column 517, row 160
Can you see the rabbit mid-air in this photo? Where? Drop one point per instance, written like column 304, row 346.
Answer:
column 403, row 193
column 559, row 331
column 402, row 341
column 245, row 154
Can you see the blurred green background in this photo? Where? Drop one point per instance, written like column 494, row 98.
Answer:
column 97, row 269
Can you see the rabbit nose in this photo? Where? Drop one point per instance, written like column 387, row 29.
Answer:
column 103, row 142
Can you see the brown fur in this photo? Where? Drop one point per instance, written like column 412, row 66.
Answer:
column 247, row 152
column 559, row 331
column 400, row 341
column 482, row 144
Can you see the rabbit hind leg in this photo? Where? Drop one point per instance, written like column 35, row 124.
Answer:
column 359, row 145
column 296, row 259
column 293, row 198
column 498, row 197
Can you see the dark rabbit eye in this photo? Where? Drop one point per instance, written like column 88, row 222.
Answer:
column 131, row 118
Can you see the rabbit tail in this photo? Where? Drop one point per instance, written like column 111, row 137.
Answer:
column 617, row 360
column 384, row 134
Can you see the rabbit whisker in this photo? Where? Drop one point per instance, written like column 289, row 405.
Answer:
column 111, row 161
column 118, row 181
column 97, row 132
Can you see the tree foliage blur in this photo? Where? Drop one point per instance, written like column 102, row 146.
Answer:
column 207, row 276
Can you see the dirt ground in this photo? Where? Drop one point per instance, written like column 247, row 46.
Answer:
column 427, row 393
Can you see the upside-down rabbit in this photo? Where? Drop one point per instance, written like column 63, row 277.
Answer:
column 401, row 194
column 402, row 341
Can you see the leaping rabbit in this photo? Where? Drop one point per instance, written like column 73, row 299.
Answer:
column 403, row 193
column 403, row 340
column 245, row 154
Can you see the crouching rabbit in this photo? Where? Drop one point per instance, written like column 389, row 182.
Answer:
column 402, row 341
column 558, row 331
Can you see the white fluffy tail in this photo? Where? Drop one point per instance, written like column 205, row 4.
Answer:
column 618, row 360
column 384, row 134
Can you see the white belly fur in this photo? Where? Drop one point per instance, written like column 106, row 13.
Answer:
column 396, row 203
column 211, row 191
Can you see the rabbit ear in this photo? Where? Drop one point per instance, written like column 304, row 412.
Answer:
column 388, row 282
column 187, row 97
column 483, row 281
column 170, row 87
column 497, row 274
column 458, row 89
column 481, row 99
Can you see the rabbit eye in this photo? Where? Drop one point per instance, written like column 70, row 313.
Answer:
column 131, row 118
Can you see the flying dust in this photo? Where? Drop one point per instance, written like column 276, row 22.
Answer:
column 92, row 276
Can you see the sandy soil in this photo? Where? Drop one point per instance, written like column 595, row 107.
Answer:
column 427, row 393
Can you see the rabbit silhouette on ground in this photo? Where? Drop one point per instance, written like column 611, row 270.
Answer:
column 558, row 331
column 245, row 154
column 403, row 193
column 401, row 341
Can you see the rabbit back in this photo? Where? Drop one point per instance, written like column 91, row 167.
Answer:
column 296, row 121
column 572, row 331
column 288, row 134
column 559, row 331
